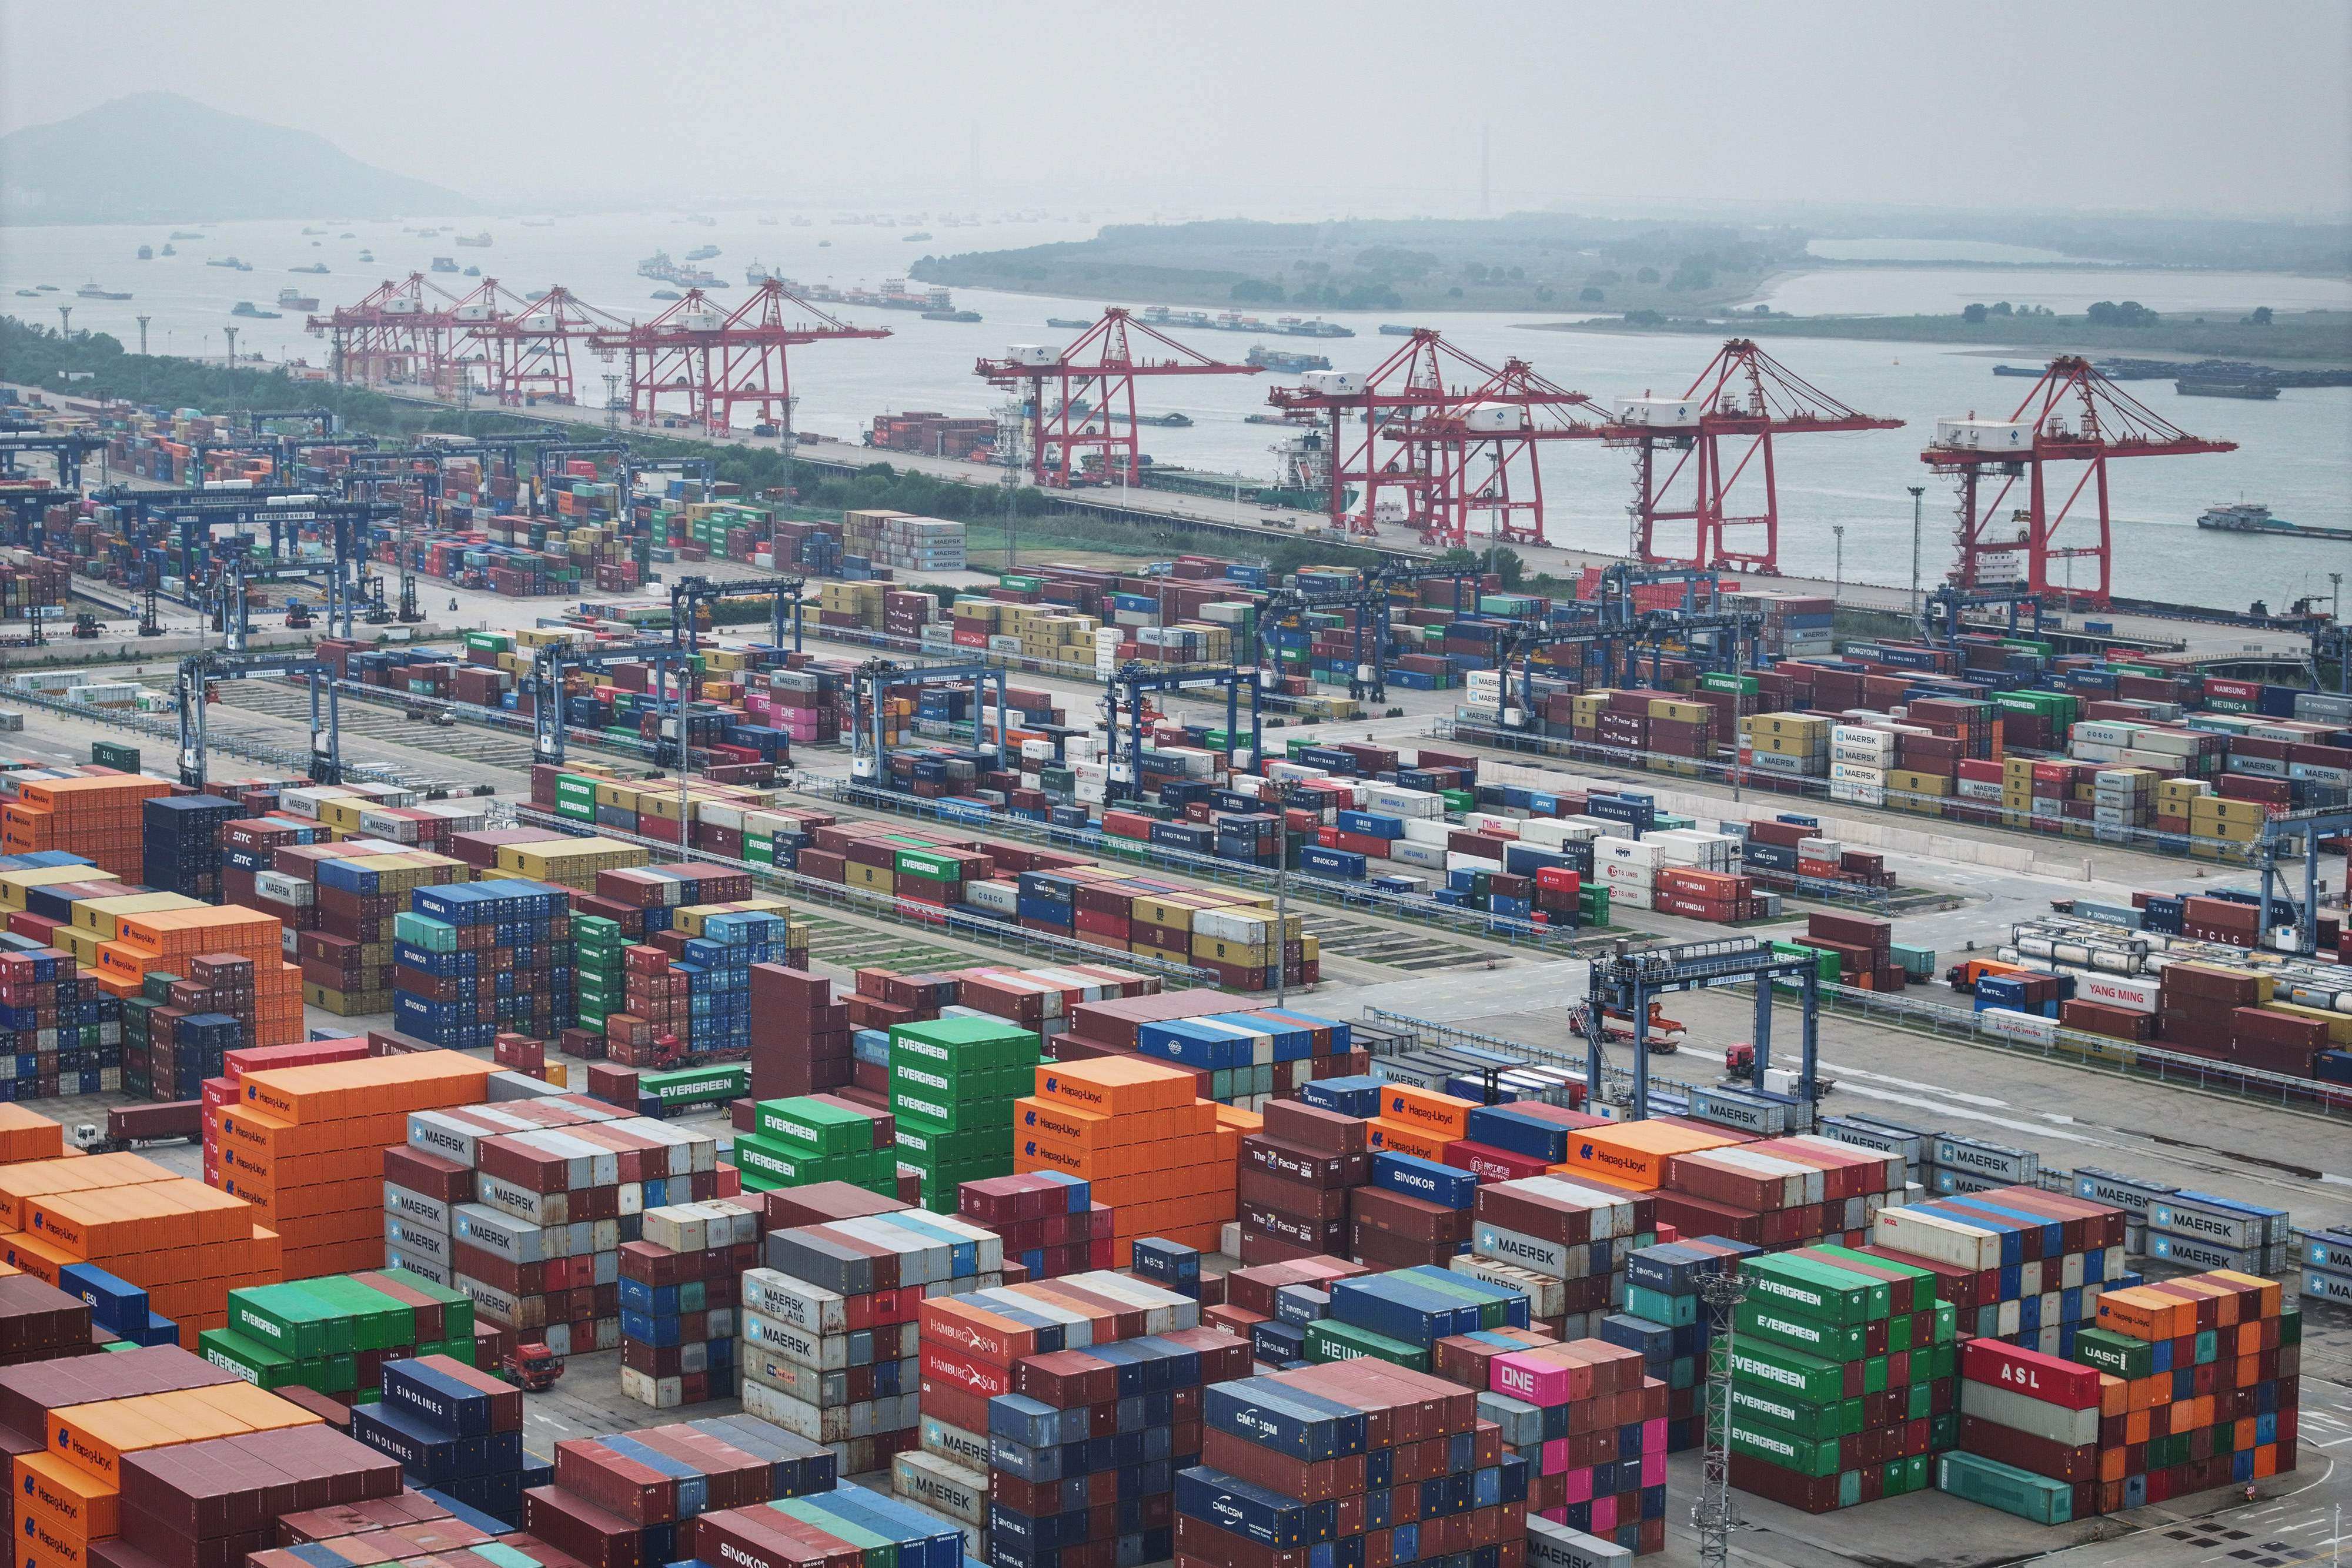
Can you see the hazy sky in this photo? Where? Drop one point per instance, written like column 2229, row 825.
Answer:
column 1296, row 107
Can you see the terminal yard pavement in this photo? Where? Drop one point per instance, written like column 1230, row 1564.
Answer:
column 2068, row 1115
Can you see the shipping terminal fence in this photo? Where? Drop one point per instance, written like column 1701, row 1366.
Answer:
column 1804, row 787
column 2016, row 1033
column 298, row 764
column 875, row 904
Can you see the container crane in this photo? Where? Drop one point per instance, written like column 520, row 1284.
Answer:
column 1716, row 431
column 2072, row 414
column 1484, row 453
column 404, row 331
column 528, row 349
column 1392, row 399
column 1095, row 376
column 718, row 358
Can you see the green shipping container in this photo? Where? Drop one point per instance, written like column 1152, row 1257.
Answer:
column 114, row 754
column 1328, row 1339
column 1774, row 1445
column 712, row 1085
column 255, row 1361
column 2008, row 1488
column 1777, row 1325
column 1755, row 1403
column 1834, row 1296
column 814, row 1126
column 1793, row 1373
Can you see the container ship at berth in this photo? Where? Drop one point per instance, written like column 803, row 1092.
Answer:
column 2251, row 518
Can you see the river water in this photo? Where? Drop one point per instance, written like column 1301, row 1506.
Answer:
column 2294, row 454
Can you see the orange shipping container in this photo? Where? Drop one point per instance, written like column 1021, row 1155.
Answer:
column 1634, row 1154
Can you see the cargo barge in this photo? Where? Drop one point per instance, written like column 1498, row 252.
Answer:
column 2251, row 518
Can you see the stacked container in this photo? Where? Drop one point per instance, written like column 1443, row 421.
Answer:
column 1049, row 1221
column 1298, row 1173
column 180, row 846
column 817, row 1137
column 481, row 959
column 953, row 1082
column 304, row 1148
column 455, row 1430
column 808, row 1370
column 1137, row 1336
column 214, row 1502
column 1589, row 1421
column 799, row 1034
column 678, row 1282
column 42, row 983
column 634, row 1497
column 1842, row 1369
column 1266, row 1468
column 185, row 1244
column 1134, row 1132
column 2029, row 1439
column 536, row 1247
column 334, row 1335
column 1666, row 1318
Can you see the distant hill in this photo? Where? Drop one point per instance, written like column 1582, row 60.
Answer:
column 157, row 157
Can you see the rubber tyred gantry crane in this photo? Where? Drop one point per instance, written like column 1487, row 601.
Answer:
column 716, row 358
column 1744, row 396
column 1096, row 378
column 1485, row 453
column 2072, row 414
column 1393, row 477
column 528, row 343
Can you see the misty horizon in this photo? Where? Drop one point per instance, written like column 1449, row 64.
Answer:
column 1306, row 110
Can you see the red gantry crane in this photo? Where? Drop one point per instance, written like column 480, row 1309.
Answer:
column 1720, row 430
column 1393, row 477
column 2072, row 414
column 528, row 343
column 393, row 333
column 1484, row 453
column 1095, row 378
column 718, row 359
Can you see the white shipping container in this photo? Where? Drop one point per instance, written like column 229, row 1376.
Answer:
column 1632, row 895
column 279, row 886
column 1857, row 773
column 1660, row 412
column 2011, row 1024
column 2022, row 1412
column 1858, row 794
column 1934, row 1237
column 1985, row 434
column 1425, row 857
